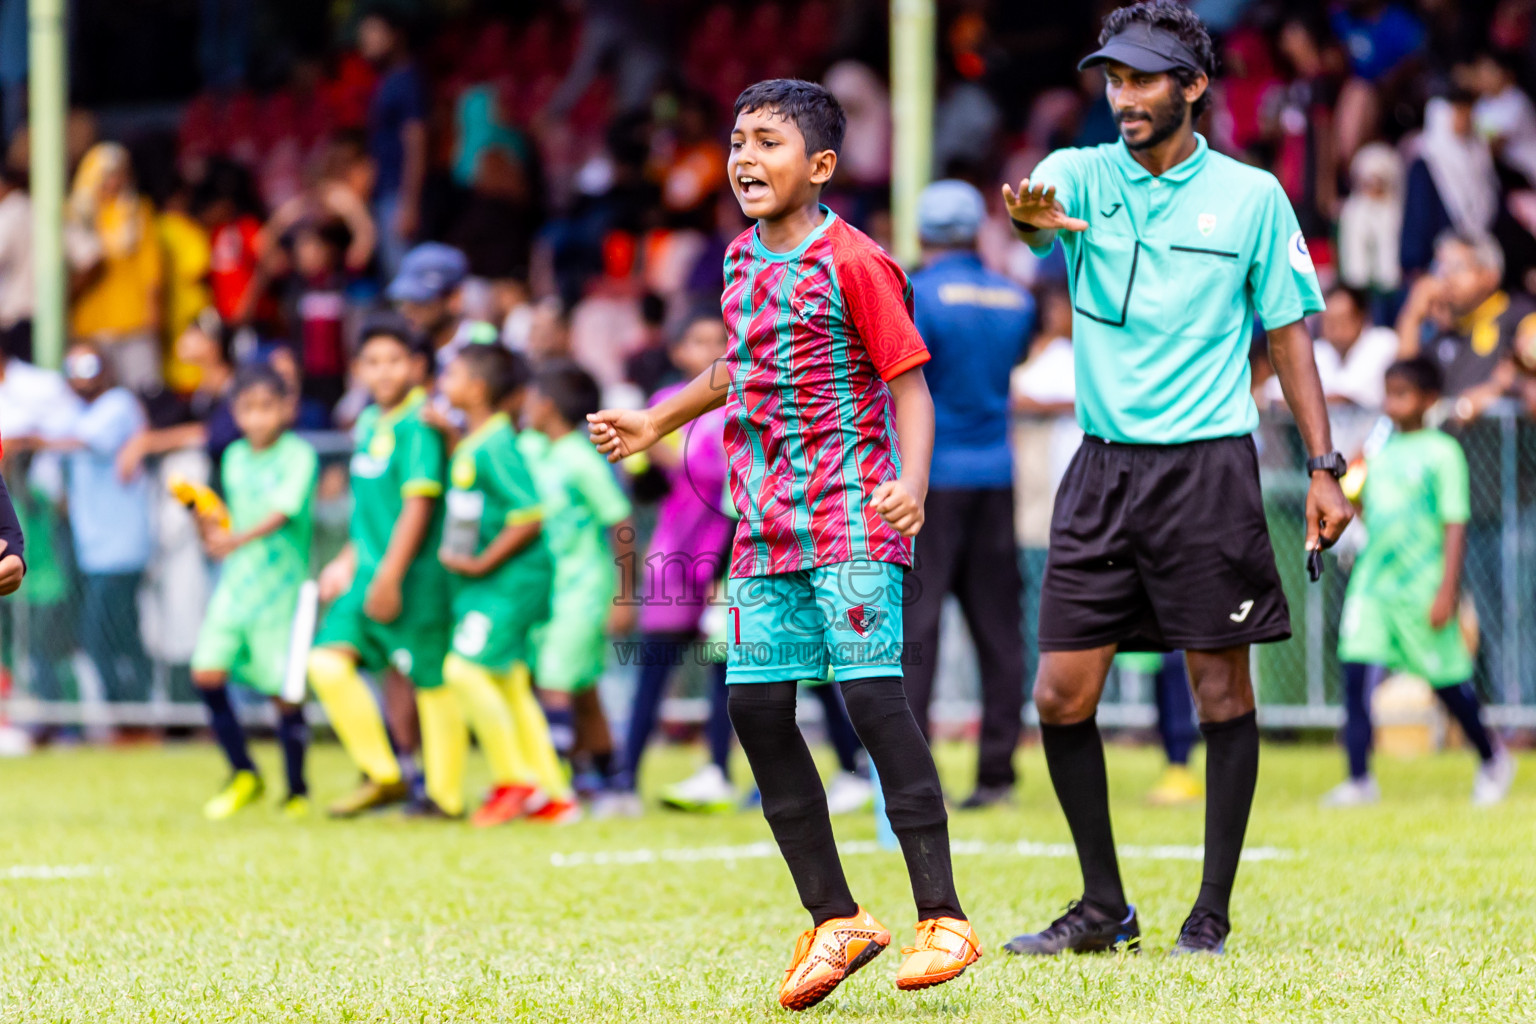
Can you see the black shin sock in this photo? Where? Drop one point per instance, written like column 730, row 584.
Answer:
column 914, row 802
column 226, row 728
column 793, row 799
column 1074, row 755
column 1461, row 701
column 293, row 736
column 1231, row 772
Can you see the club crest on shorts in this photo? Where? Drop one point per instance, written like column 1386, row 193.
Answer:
column 1206, row 222
column 863, row 619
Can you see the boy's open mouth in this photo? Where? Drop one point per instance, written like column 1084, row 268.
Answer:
column 750, row 187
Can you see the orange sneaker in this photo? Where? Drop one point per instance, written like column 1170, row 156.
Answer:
column 946, row 946
column 827, row 954
column 557, row 812
column 506, row 803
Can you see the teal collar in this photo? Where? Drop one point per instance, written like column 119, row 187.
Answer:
column 763, row 252
column 1177, row 174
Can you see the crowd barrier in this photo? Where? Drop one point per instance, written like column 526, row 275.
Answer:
column 51, row 679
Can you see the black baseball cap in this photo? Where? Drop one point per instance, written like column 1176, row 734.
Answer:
column 1146, row 48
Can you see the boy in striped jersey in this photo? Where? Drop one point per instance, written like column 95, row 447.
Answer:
column 829, row 429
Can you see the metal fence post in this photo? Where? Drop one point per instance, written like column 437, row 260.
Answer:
column 1509, row 538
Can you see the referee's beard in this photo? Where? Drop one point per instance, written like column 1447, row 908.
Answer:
column 1165, row 122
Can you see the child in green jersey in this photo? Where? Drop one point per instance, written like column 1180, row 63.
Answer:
column 269, row 482
column 1400, row 610
column 501, row 572
column 586, row 522
column 389, row 592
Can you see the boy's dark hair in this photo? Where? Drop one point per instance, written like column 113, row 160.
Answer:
column 260, row 376
column 700, row 314
column 1170, row 16
column 806, row 105
column 227, row 181
column 1359, row 296
column 572, row 390
column 1422, row 372
column 502, row 370
column 331, row 233
column 389, row 324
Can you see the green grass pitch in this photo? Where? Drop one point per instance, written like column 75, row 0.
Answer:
column 118, row 903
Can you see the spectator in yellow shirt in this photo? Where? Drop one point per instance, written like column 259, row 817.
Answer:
column 188, row 256
column 119, row 306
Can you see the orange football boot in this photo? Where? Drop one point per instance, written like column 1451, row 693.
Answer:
column 557, row 812
column 827, row 954
column 946, row 946
column 506, row 803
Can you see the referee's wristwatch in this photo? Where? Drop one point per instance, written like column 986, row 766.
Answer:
column 1333, row 463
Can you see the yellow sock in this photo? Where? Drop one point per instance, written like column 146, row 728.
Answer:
column 533, row 732
column 490, row 720
column 444, row 746
column 353, row 712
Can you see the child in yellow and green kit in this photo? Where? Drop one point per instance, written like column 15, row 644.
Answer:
column 501, row 573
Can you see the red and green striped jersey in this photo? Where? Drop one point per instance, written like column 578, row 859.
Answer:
column 810, row 427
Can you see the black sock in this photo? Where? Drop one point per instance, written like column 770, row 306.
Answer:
column 1074, row 755
column 562, row 730
column 914, row 802
column 1461, row 701
column 1231, row 772
column 718, row 728
column 292, row 736
column 793, row 799
column 602, row 763
column 1357, row 718
column 410, row 771
column 226, row 728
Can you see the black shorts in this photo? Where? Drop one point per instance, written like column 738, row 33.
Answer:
column 1160, row 548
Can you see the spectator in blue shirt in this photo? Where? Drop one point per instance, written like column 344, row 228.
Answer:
column 109, row 518
column 977, row 325
column 397, row 135
column 1378, row 36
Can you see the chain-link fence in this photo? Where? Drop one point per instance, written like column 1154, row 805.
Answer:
column 82, row 649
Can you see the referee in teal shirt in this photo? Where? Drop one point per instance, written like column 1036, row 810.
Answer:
column 1158, row 541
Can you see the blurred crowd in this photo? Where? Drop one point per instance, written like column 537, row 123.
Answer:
column 552, row 177
column 568, row 163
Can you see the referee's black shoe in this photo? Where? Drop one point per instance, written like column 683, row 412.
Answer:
column 1204, row 931
column 1082, row 929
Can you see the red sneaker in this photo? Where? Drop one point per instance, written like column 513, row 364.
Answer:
column 506, row 803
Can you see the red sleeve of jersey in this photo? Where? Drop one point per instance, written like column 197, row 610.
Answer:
column 879, row 302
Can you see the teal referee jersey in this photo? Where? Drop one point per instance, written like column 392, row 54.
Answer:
column 1165, row 284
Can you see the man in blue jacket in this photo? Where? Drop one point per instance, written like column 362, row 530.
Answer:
column 977, row 325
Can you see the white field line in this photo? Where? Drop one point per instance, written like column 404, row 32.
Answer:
column 959, row 847
column 50, row 872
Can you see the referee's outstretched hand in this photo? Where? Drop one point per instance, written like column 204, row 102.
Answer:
column 1035, row 204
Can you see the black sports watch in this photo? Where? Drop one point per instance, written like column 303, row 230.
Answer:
column 1333, row 463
